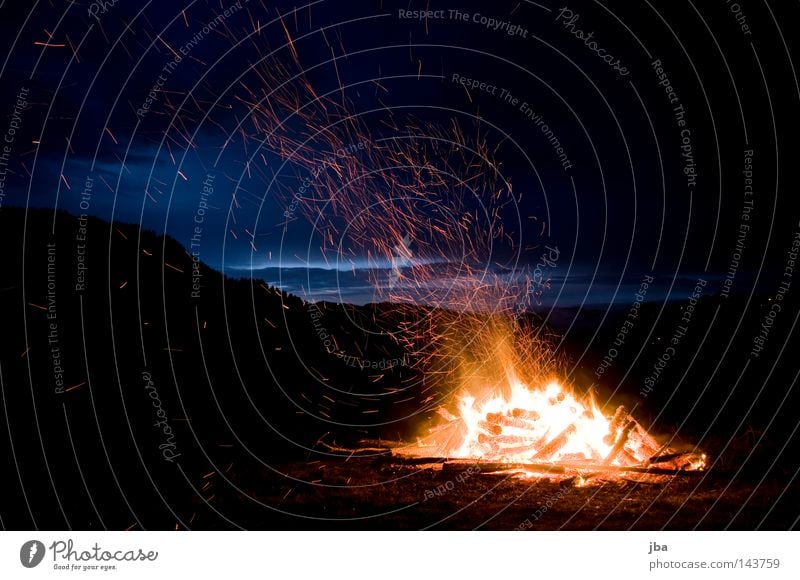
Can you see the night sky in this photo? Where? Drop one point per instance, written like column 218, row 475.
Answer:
column 620, row 132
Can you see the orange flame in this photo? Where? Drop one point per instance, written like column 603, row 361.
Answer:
column 546, row 424
column 549, row 424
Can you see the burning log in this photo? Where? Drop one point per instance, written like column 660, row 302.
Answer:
column 556, row 444
column 511, row 452
column 636, row 439
column 490, row 428
column 642, row 441
column 661, row 450
column 626, row 458
column 621, row 441
column 492, row 467
column 680, row 460
column 527, row 415
column 595, row 455
column 666, row 457
column 363, row 451
column 568, row 458
column 494, row 451
column 619, row 418
column 506, row 421
column 446, row 415
column 501, row 440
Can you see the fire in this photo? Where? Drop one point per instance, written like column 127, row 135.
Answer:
column 504, row 405
column 548, row 424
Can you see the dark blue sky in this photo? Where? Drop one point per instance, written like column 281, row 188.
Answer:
column 110, row 101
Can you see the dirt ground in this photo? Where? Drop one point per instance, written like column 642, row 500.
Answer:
column 376, row 493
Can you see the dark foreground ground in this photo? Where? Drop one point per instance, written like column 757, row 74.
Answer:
column 376, row 493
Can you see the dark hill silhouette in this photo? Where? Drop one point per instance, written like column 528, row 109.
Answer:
column 89, row 364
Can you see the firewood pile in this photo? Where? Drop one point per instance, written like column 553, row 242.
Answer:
column 514, row 440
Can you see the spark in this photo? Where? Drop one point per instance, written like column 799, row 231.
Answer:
column 110, row 134
column 73, row 387
column 175, row 54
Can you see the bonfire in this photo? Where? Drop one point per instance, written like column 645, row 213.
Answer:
column 549, row 430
